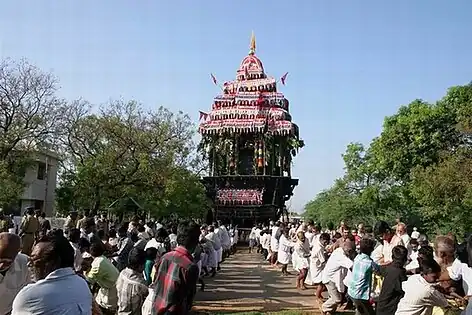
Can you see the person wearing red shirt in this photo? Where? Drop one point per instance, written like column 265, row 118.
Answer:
column 177, row 274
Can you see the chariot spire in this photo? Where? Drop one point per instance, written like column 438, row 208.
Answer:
column 252, row 46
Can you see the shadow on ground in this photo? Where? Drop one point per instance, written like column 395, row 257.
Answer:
column 246, row 283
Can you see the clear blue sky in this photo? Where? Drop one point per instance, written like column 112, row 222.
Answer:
column 350, row 62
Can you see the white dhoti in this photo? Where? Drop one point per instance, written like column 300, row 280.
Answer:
column 299, row 262
column 295, row 262
column 199, row 265
column 284, row 257
column 204, row 259
column 147, row 305
column 274, row 244
column 212, row 261
column 219, row 255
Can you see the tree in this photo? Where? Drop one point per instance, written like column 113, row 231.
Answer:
column 418, row 168
column 444, row 191
column 414, row 137
column 31, row 117
column 125, row 151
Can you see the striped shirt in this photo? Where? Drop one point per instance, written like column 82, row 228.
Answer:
column 176, row 280
column 359, row 286
column 132, row 291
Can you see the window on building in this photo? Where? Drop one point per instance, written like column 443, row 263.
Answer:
column 41, row 170
column 38, row 205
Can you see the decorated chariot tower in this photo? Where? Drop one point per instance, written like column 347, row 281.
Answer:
column 250, row 140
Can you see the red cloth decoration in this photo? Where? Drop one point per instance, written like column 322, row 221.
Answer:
column 239, row 196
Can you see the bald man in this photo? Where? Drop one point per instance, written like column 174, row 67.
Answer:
column 402, row 233
column 14, row 271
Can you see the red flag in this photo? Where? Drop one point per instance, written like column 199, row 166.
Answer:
column 213, row 78
column 283, row 78
column 203, row 115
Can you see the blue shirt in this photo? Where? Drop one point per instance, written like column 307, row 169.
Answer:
column 62, row 292
column 359, row 287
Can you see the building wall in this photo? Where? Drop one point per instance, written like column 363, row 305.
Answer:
column 40, row 180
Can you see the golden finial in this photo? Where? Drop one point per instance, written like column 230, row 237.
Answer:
column 252, row 47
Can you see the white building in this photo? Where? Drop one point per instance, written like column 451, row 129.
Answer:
column 40, row 184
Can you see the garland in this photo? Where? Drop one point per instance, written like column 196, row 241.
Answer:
column 259, row 125
column 249, row 112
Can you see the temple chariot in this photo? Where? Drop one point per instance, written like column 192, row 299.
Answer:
column 249, row 140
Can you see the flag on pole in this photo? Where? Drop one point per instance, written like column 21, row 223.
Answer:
column 202, row 115
column 283, row 78
column 214, row 79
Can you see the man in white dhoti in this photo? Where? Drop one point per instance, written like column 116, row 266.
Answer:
column 301, row 253
column 284, row 256
column 234, row 237
column 225, row 239
column 274, row 243
column 265, row 243
column 213, row 236
column 334, row 273
column 318, row 259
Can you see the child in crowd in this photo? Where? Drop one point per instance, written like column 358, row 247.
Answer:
column 360, row 283
column 394, row 274
column 112, row 240
column 421, row 296
column 151, row 254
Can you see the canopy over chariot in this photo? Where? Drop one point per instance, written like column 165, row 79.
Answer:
column 250, row 140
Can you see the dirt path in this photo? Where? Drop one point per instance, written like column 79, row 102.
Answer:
column 247, row 283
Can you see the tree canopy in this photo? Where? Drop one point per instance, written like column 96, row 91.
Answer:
column 419, row 169
column 119, row 151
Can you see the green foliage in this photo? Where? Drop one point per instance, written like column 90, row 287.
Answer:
column 31, row 119
column 125, row 151
column 122, row 151
column 445, row 192
column 419, row 168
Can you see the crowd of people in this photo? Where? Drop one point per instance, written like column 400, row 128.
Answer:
column 375, row 270
column 94, row 266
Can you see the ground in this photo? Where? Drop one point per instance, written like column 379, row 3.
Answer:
column 247, row 284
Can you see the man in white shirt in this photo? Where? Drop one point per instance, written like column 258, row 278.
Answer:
column 58, row 290
column 421, row 295
column 258, row 237
column 74, row 237
column 214, row 237
column 390, row 240
column 225, row 239
column 401, row 232
column 14, row 271
column 292, row 233
column 274, row 243
column 415, row 234
column 334, row 273
column 252, row 239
